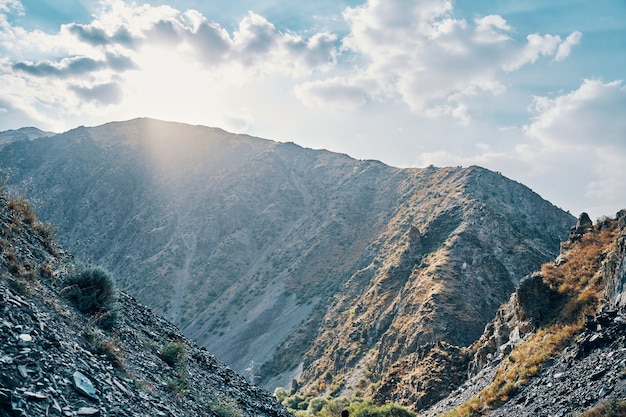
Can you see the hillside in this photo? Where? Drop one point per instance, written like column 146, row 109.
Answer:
column 55, row 360
column 557, row 346
column 290, row 263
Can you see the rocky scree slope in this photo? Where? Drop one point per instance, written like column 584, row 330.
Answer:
column 54, row 361
column 558, row 347
column 264, row 251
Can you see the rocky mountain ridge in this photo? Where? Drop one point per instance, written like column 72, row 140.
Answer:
column 290, row 263
column 54, row 361
column 578, row 364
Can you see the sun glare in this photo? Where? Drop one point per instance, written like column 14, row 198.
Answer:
column 169, row 85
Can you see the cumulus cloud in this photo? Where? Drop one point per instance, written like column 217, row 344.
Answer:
column 109, row 93
column 336, row 92
column 565, row 48
column 492, row 29
column 535, row 47
column 75, row 66
column 581, row 135
column 66, row 68
column 591, row 116
column 211, row 41
column 94, row 60
column 97, row 36
column 11, row 5
column 420, row 54
column 258, row 45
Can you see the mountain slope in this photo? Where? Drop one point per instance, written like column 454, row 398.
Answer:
column 264, row 251
column 557, row 346
column 55, row 361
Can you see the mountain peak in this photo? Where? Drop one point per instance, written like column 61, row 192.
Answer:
column 22, row 134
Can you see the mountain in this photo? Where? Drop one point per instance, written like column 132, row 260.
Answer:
column 290, row 263
column 24, row 133
column 54, row 359
column 557, row 346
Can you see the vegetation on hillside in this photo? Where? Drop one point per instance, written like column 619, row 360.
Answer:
column 50, row 311
column 607, row 409
column 578, row 277
column 93, row 292
column 326, row 406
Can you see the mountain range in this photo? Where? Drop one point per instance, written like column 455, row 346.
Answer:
column 296, row 267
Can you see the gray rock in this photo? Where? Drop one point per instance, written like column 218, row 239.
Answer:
column 83, row 385
column 88, row 411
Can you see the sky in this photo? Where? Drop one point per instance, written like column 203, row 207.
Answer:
column 535, row 90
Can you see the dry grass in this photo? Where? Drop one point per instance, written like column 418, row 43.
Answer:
column 608, row 409
column 582, row 261
column 580, row 279
column 22, row 211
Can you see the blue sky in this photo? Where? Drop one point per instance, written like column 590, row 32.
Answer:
column 532, row 89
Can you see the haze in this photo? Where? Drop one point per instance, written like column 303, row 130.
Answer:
column 533, row 90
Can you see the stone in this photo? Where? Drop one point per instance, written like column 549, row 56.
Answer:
column 88, row 411
column 23, row 370
column 583, row 225
column 51, row 363
column 35, row 396
column 6, row 359
column 83, row 385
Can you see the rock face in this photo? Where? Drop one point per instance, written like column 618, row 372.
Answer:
column 588, row 370
column 55, row 361
column 288, row 262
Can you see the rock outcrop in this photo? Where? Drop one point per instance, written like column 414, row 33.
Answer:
column 54, row 361
column 589, row 368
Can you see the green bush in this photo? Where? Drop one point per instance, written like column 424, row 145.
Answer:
column 93, row 292
column 225, row 408
column 388, row 410
column 174, row 353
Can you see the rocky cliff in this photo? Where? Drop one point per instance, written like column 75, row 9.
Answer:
column 557, row 346
column 55, row 361
column 291, row 263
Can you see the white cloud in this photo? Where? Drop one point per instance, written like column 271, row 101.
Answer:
column 492, row 29
column 258, row 45
column 565, row 48
column 336, row 92
column 536, row 46
column 7, row 6
column 591, row 116
column 161, row 54
column 420, row 54
column 578, row 138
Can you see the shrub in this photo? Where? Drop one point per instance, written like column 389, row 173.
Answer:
column 93, row 292
column 23, row 211
column 46, row 230
column 109, row 348
column 173, row 353
column 225, row 408
column 609, row 409
column 367, row 409
column 316, row 404
column 281, row 394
